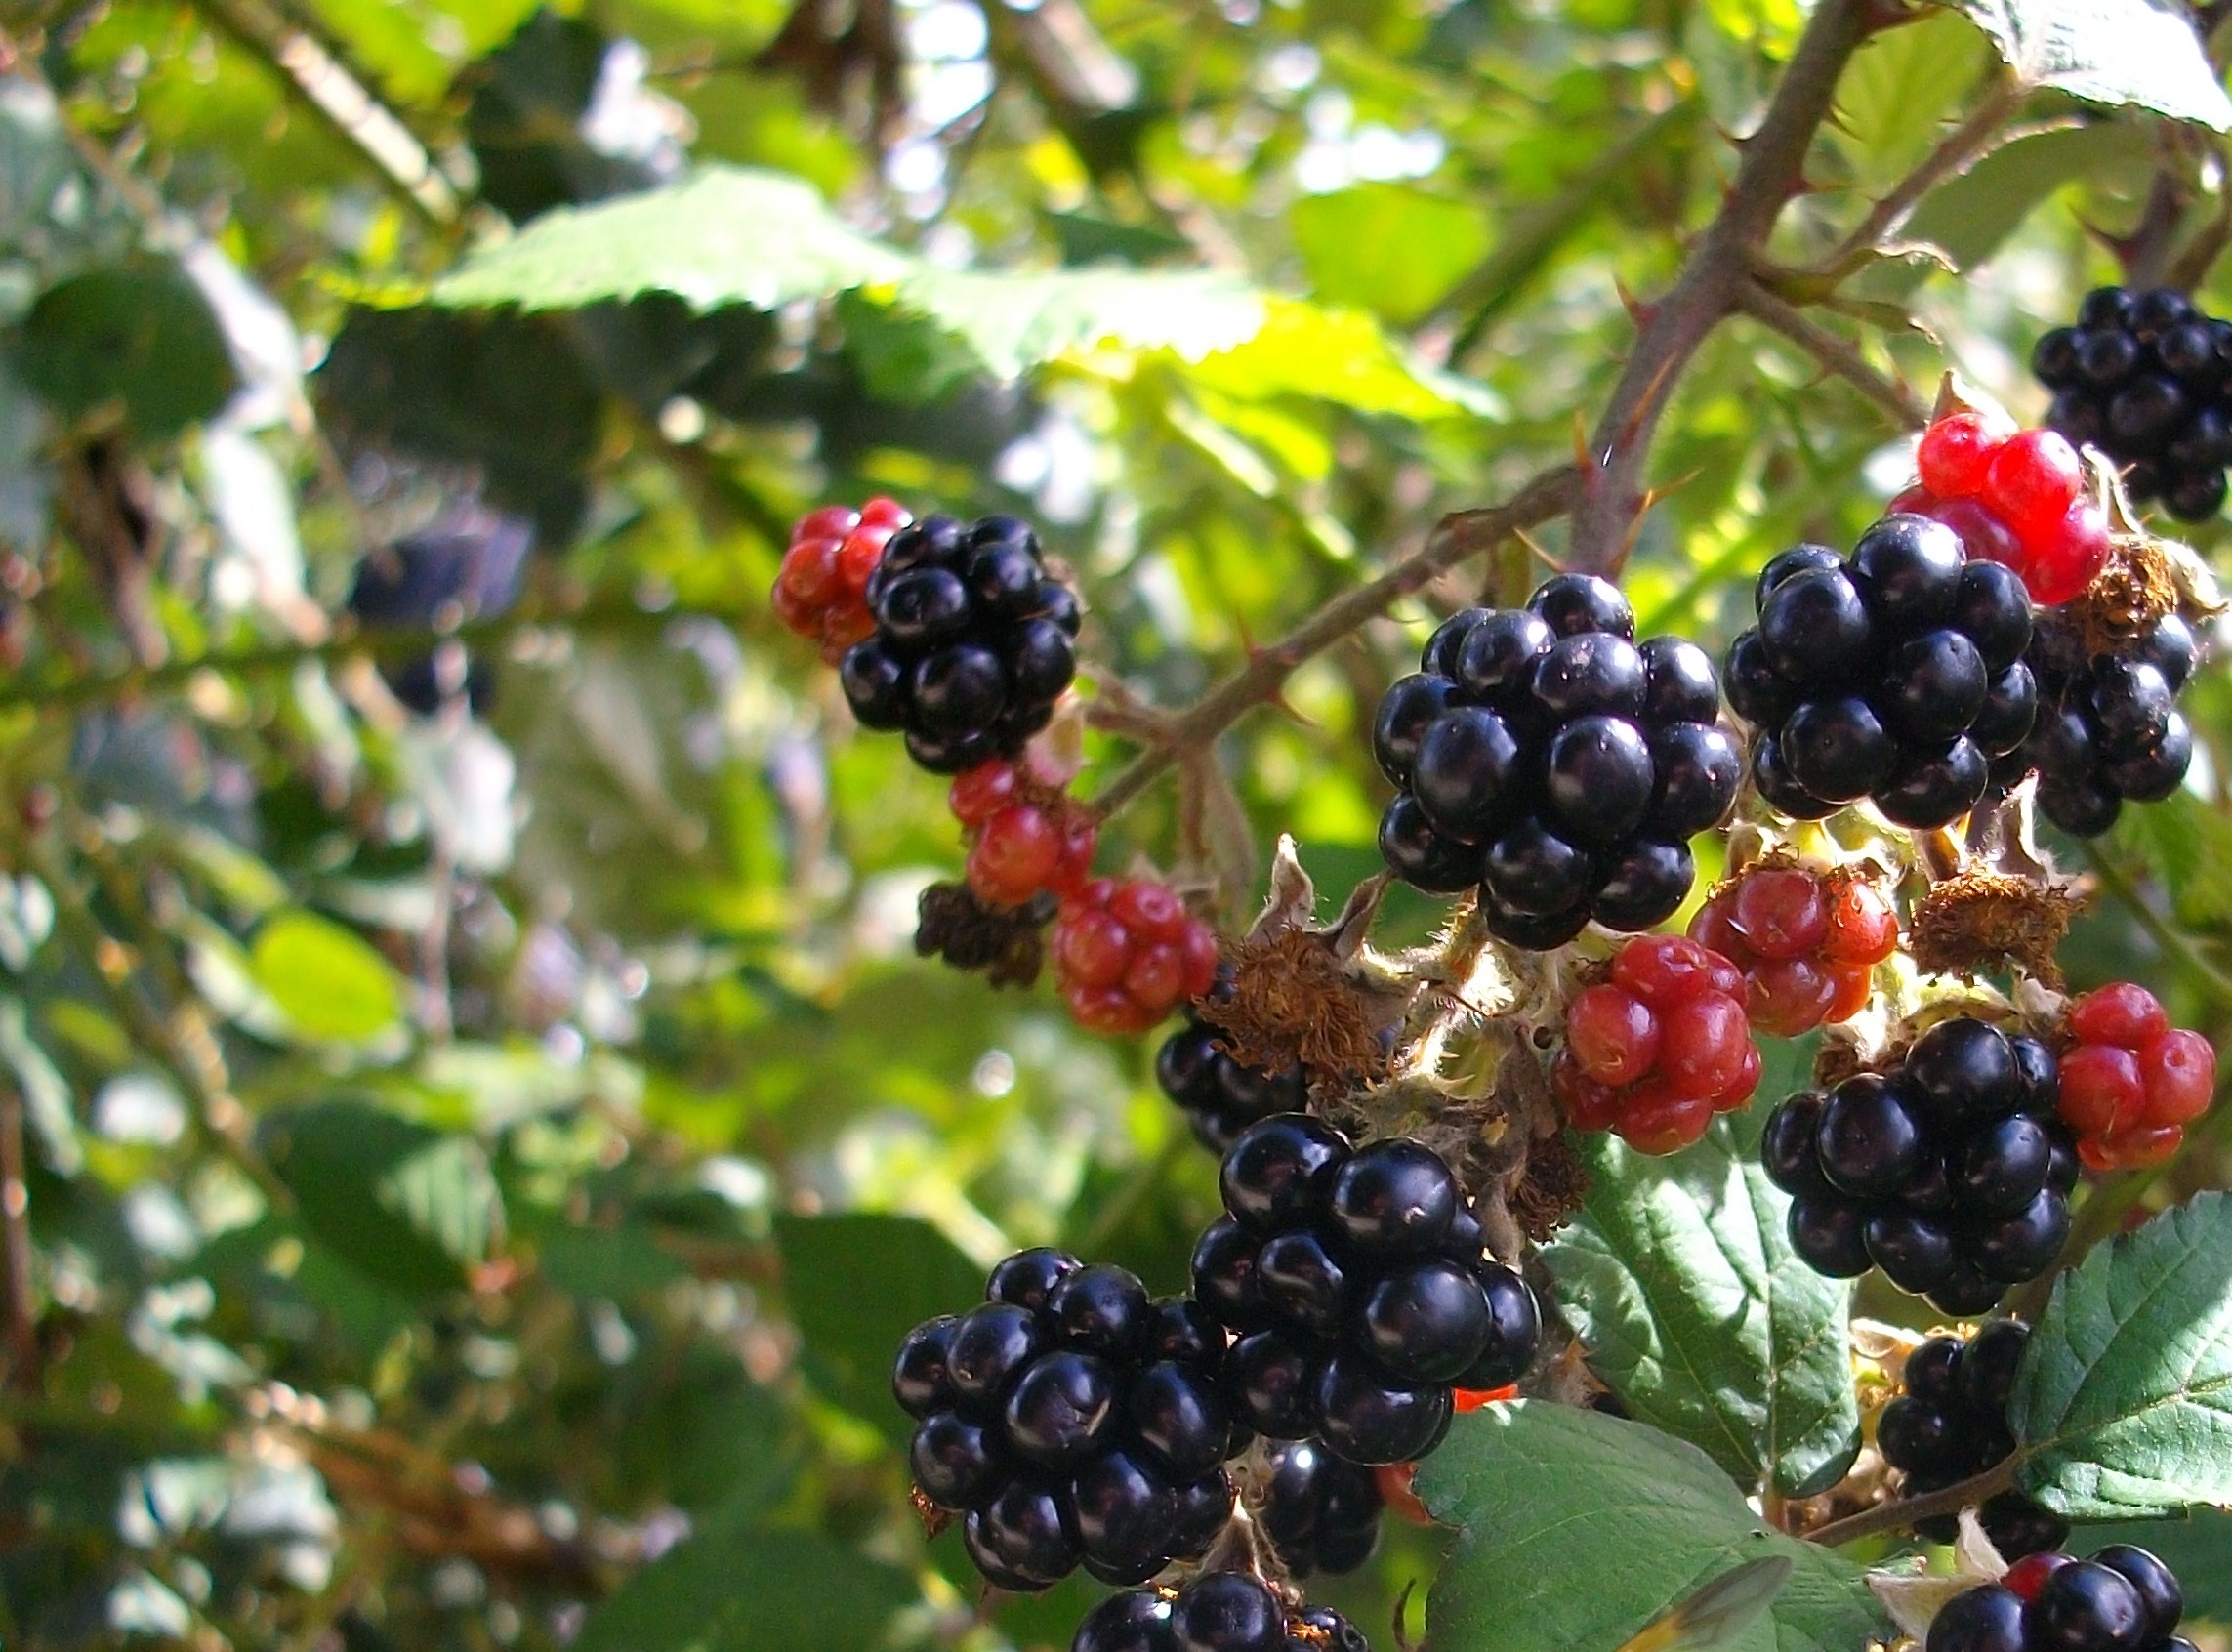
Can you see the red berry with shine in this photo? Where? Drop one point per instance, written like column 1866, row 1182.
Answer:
column 2101, row 1090
column 1661, row 1119
column 1127, row 954
column 2121, row 1013
column 2032, row 482
column 1014, row 855
column 2179, row 1073
column 1957, row 452
column 1613, row 1035
column 1863, row 924
column 1780, row 911
column 2027, row 1576
column 977, row 794
column 2062, row 560
column 1790, row 996
column 1983, row 536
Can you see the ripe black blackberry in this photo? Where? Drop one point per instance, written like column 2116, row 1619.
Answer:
column 1949, row 1172
column 1952, row 1423
column 1214, row 1611
column 1894, row 675
column 1357, row 1280
column 974, row 641
column 1321, row 1513
column 466, row 564
column 1007, row 943
column 2146, row 378
column 2124, row 1599
column 2108, row 727
column 1545, row 756
column 1221, row 1096
column 1070, row 1420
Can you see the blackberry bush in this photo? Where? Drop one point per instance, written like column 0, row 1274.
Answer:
column 1892, row 675
column 1547, row 760
column 1948, row 1172
column 2146, row 377
column 1356, row 1283
column 975, row 641
column 2108, row 727
column 1951, row 1424
column 1070, row 1422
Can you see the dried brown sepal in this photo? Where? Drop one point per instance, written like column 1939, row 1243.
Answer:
column 1005, row 943
column 934, row 1519
column 1553, row 1186
column 1292, row 1001
column 1982, row 920
column 1837, row 1060
column 2136, row 587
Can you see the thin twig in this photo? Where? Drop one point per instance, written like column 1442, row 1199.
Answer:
column 2179, row 946
column 1960, row 149
column 1454, row 538
column 21, row 1335
column 1900, row 404
column 1906, row 1511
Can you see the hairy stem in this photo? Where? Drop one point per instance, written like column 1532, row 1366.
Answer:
column 1463, row 534
column 1711, row 281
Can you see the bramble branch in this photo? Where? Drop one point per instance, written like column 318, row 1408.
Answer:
column 1456, row 537
column 1960, row 149
column 1900, row 404
column 1712, row 281
column 1906, row 1511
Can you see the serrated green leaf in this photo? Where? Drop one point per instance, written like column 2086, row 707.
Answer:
column 330, row 983
column 731, row 1591
column 409, row 1205
column 1579, row 1529
column 858, row 1284
column 2188, row 844
column 2124, row 1402
column 1679, row 1279
column 2107, row 52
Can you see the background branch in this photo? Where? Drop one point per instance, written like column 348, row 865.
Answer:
column 1900, row 404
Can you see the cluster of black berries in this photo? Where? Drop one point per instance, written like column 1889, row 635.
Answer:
column 974, row 641
column 466, row 564
column 1896, row 674
column 1546, row 758
column 1952, row 1423
column 1948, row 1173
column 2124, row 1599
column 1321, row 1513
column 953, row 923
column 1357, row 1282
column 1214, row 1611
column 1070, row 1420
column 2108, row 726
column 1221, row 1096
column 2146, row 378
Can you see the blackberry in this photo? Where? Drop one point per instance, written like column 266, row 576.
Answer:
column 466, row 564
column 1070, row 1420
column 1356, row 1283
column 974, row 641
column 2108, row 727
column 1949, row 1172
column 1008, row 943
column 2124, row 1599
column 2146, row 377
column 1544, row 756
column 1893, row 674
column 1321, row 1513
column 1952, row 1423
column 1214, row 1611
column 1221, row 1097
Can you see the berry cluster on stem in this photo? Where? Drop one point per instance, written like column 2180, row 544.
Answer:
column 2131, row 1083
column 1950, row 1423
column 1807, row 941
column 2124, row 1599
column 1659, row 1048
column 2012, row 497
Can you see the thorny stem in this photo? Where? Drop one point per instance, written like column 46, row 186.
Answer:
column 1711, row 281
column 1900, row 404
column 1955, row 152
column 1454, row 538
column 1906, row 1511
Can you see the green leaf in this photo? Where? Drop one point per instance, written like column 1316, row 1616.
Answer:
column 857, row 1284
column 409, row 1205
column 141, row 334
column 2198, row 1548
column 2188, row 844
column 331, row 984
column 620, row 1261
column 1679, row 1279
column 1339, row 355
column 1578, row 1528
column 45, row 1092
column 2107, row 52
column 2124, row 1402
column 729, row 235
column 1017, row 321
column 1391, row 250
column 734, row 1590
column 1968, row 217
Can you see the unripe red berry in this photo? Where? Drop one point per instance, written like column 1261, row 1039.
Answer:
column 2179, row 1072
column 1014, row 855
column 1612, row 1034
column 1780, row 911
column 1956, row 451
column 2101, row 1088
column 2032, row 482
column 2121, row 1013
column 2061, row 560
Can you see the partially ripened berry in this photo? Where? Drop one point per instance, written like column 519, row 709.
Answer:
column 1544, row 758
column 1807, row 941
column 822, row 590
column 1659, row 1048
column 1356, row 1279
column 1127, row 953
column 2131, row 1083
